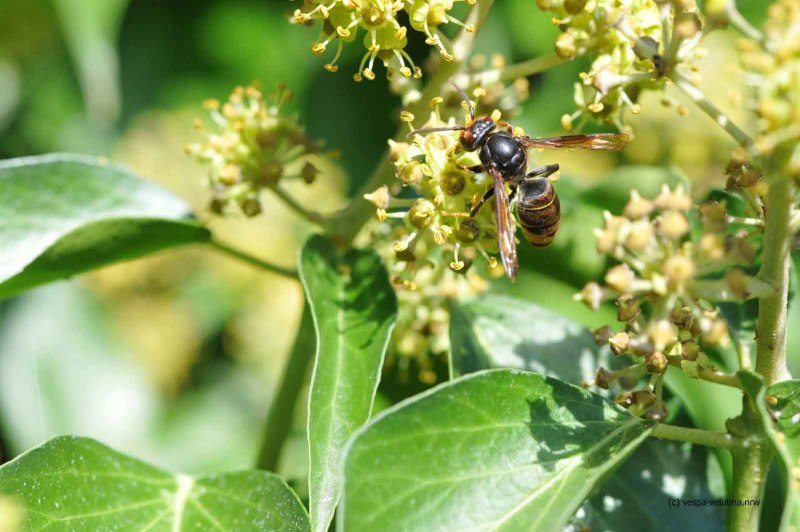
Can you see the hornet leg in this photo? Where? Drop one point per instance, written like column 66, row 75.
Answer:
column 543, row 171
column 489, row 193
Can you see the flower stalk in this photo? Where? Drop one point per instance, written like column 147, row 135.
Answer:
column 701, row 437
column 253, row 261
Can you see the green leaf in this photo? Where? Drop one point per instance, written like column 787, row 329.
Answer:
column 79, row 484
column 635, row 497
column 65, row 214
column 783, row 433
column 72, row 376
column 784, row 405
column 499, row 449
column 614, row 191
column 91, row 30
column 354, row 309
column 504, row 332
column 500, row 331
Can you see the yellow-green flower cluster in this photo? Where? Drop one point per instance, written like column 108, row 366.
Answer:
column 437, row 195
column 424, row 290
column 774, row 70
column 434, row 250
column 377, row 24
column 663, row 288
column 634, row 44
column 250, row 146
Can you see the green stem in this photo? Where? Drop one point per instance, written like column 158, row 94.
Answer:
column 254, row 261
column 772, row 307
column 710, row 375
column 750, row 467
column 519, row 70
column 738, row 21
column 313, row 217
column 281, row 410
column 698, row 436
column 751, row 463
column 742, row 139
column 345, row 225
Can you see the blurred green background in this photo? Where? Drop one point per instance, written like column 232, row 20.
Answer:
column 173, row 358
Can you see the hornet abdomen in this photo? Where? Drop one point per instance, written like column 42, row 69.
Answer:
column 538, row 211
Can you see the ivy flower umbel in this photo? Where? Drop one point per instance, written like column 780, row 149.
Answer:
column 666, row 283
column 773, row 70
column 250, row 146
column 385, row 38
column 434, row 250
column 634, row 46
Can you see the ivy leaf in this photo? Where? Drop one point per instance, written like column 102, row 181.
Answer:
column 354, row 309
column 784, row 407
column 500, row 331
column 498, row 449
column 504, row 332
column 66, row 214
column 636, row 496
column 780, row 418
column 79, row 484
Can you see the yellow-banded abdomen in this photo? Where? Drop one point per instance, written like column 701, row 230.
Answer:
column 538, row 210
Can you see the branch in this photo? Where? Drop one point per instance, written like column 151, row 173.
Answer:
column 519, row 70
column 253, row 261
column 698, row 436
column 772, row 307
column 683, row 83
column 281, row 409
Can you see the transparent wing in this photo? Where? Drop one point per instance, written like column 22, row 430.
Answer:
column 505, row 226
column 594, row 141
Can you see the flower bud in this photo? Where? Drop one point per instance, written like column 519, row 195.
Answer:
column 620, row 278
column 626, row 399
column 686, row 25
column 627, row 308
column 619, row 343
column 662, row 333
column 673, row 224
column 678, row 269
column 421, row 214
column 677, row 200
column 575, row 6
column 717, row 333
column 656, row 362
column 602, row 335
column 690, row 368
column 565, row 46
column 738, row 282
column 591, row 295
column 602, row 378
column 690, row 350
column 379, row 197
column 714, row 217
column 638, row 207
column 606, row 241
column 644, row 398
column 712, row 247
column 410, row 173
column 639, row 236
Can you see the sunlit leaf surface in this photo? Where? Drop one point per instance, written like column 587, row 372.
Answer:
column 75, row 483
column 499, row 449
